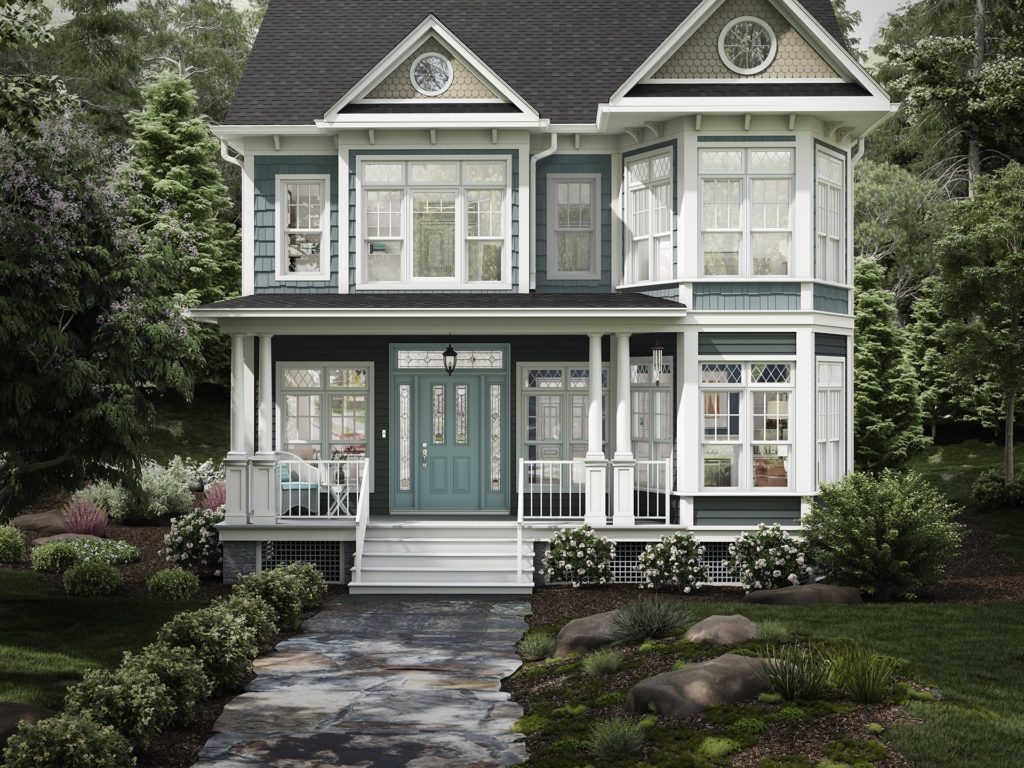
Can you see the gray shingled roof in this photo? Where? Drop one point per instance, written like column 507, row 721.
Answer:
column 564, row 58
column 454, row 300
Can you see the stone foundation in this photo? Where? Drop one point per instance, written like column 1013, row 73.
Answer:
column 239, row 559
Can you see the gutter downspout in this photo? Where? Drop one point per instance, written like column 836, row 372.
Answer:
column 534, row 159
column 228, row 158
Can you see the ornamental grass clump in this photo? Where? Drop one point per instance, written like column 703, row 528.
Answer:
column 129, row 699
column 181, row 672
column 84, row 517
column 193, row 541
column 865, row 675
column 91, row 579
column 767, row 558
column 12, row 544
column 771, row 631
column 580, row 556
column 675, row 562
column 601, row 663
column 536, row 645
column 615, row 738
column 795, row 674
column 889, row 534
column 173, row 584
column 649, row 619
column 53, row 557
column 67, row 741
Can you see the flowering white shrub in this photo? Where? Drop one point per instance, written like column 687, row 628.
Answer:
column 163, row 491
column 767, row 558
column 675, row 562
column 203, row 474
column 193, row 541
column 108, row 551
column 579, row 556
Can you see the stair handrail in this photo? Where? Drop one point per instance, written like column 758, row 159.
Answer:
column 362, row 517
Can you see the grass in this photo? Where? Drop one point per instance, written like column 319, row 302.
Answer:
column 48, row 639
column 200, row 429
column 953, row 468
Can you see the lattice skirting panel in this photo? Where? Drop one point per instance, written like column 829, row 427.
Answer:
column 330, row 557
column 626, row 553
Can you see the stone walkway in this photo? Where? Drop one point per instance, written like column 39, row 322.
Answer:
column 381, row 681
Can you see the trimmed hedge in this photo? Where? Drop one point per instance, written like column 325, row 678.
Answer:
column 91, row 579
column 12, row 544
column 173, row 584
column 220, row 638
column 67, row 741
column 181, row 671
column 130, row 699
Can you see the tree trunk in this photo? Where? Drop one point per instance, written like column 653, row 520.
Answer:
column 973, row 148
column 935, row 428
column 1011, row 407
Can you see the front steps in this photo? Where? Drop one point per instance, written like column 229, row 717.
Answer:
column 453, row 557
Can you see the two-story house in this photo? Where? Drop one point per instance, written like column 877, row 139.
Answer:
column 513, row 267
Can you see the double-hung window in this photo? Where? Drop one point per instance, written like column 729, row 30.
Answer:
column 325, row 409
column 303, row 227
column 746, row 437
column 831, row 419
column 649, row 218
column 574, row 226
column 830, row 217
column 435, row 222
column 746, row 217
column 652, row 414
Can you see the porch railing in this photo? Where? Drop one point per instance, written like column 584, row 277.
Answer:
column 320, row 490
column 551, row 489
column 652, row 490
column 362, row 517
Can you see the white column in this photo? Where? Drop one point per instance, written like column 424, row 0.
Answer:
column 249, row 390
column 801, row 416
column 236, row 478
column 688, row 424
column 264, row 470
column 596, row 469
column 623, row 466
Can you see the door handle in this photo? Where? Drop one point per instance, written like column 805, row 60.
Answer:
column 423, row 454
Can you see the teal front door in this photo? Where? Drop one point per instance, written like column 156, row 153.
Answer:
column 451, row 443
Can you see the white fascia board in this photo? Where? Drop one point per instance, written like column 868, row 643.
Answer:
column 448, row 313
column 776, row 105
column 708, row 320
column 445, row 120
column 225, row 131
column 430, row 25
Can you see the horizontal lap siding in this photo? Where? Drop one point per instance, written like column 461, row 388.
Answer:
column 746, row 297
column 829, row 345
column 828, row 298
column 747, row 344
column 746, row 511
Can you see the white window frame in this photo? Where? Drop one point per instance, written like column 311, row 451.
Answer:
column 459, row 281
column 281, row 231
column 629, row 268
column 837, row 272
column 324, row 391
column 594, row 180
column 666, row 386
column 745, row 442
column 746, row 228
column 830, row 437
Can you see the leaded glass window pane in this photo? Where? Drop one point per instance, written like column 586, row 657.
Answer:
column 434, row 173
column 721, row 373
column 437, row 415
column 483, row 172
column 495, row 436
column 404, row 437
column 461, row 414
column 348, row 378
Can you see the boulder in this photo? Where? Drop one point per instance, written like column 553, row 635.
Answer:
column 62, row 537
column 586, row 633
column 12, row 714
column 805, row 594
column 46, row 523
column 729, row 679
column 722, row 630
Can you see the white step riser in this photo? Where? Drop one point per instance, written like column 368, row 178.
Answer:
column 444, row 589
column 426, row 577
column 449, row 531
column 428, row 561
column 449, row 546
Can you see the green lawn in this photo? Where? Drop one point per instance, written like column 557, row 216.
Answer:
column 200, row 429
column 47, row 639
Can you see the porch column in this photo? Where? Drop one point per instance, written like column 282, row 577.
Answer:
column 595, row 464
column 264, row 471
column 235, row 463
column 623, row 464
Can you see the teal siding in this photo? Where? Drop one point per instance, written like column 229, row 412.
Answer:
column 746, row 297
column 746, row 510
column 828, row 298
column 570, row 164
column 265, row 170
column 746, row 344
column 353, row 246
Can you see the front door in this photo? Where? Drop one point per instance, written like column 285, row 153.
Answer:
column 450, row 442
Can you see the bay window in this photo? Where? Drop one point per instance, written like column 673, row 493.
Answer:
column 746, row 211
column 746, row 435
column 830, row 426
column 324, row 409
column 303, row 233
column 649, row 218
column 830, row 216
column 435, row 222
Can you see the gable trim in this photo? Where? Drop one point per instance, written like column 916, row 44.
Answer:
column 430, row 26
column 796, row 14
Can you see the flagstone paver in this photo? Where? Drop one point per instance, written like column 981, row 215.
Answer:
column 378, row 682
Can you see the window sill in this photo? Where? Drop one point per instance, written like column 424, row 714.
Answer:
column 303, row 277
column 555, row 276
column 439, row 286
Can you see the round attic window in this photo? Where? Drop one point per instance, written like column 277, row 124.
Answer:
column 431, row 74
column 747, row 45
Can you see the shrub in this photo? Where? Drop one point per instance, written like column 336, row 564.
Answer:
column 12, row 544
column 67, row 741
column 675, row 562
column 173, row 584
column 257, row 613
column 216, row 496
column 130, row 699
column 889, row 534
column 771, row 631
column 204, row 474
column 865, row 675
column 767, row 558
column 280, row 589
column 310, row 581
column 601, row 663
column 795, row 674
column 219, row 638
column 110, row 552
column 788, row 715
column 714, row 747
column 165, row 491
column 180, row 670
column 536, row 645
column 109, row 498
column 91, row 580
column 615, row 738
column 579, row 556
column 651, row 618
column 847, row 750
column 748, row 726
column 193, row 541
column 53, row 557
column 990, row 491
column 83, row 516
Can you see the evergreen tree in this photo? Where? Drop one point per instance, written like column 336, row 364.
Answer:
column 887, row 415
column 927, row 353
column 178, row 196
